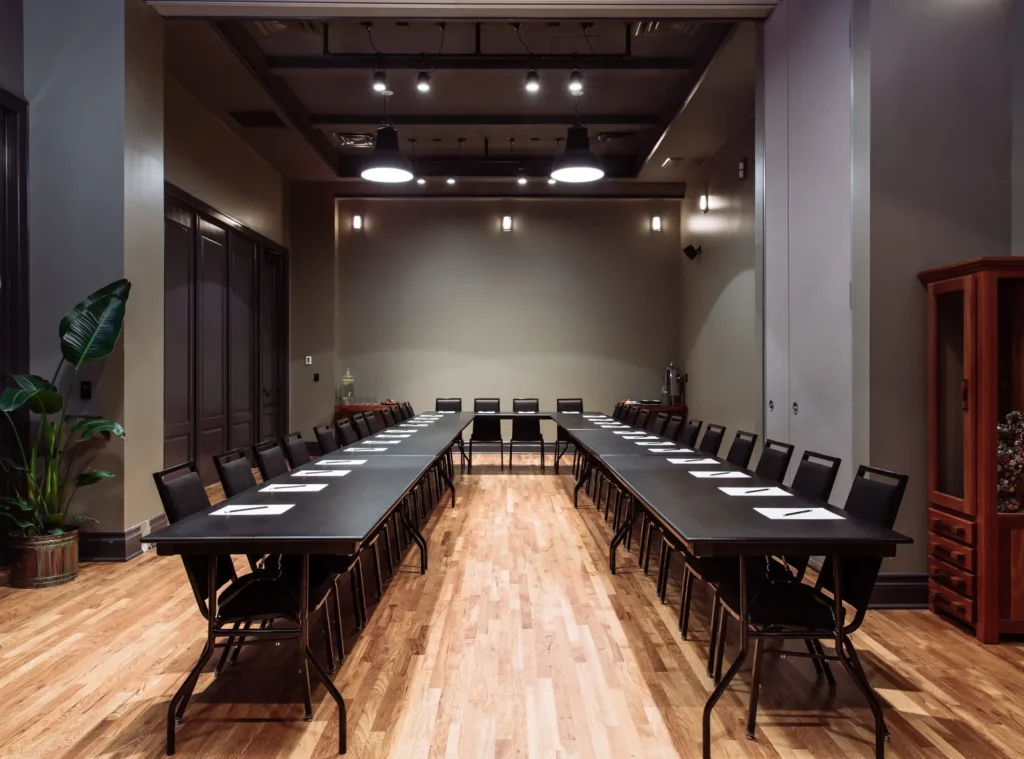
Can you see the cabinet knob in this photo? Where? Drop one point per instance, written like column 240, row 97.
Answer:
column 796, row 408
column 771, row 405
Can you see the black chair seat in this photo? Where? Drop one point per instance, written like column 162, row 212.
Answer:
column 796, row 607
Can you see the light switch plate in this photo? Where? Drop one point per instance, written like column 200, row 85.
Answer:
column 309, row 360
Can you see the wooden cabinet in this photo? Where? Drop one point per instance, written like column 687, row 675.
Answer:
column 975, row 378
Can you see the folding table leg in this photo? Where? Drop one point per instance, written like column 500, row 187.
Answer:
column 418, row 539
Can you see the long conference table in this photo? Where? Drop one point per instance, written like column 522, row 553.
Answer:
column 340, row 501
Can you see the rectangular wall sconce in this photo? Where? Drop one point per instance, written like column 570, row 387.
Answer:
column 656, row 223
column 357, row 222
column 506, row 223
column 704, row 203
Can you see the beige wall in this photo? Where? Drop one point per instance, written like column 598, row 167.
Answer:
column 432, row 299
column 206, row 159
column 720, row 329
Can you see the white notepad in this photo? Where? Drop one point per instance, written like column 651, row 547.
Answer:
column 754, row 492
column 722, row 475
column 655, row 438
column 341, row 462
column 798, row 514
column 669, row 450
column 280, row 487
column 254, row 510
column 644, row 442
column 321, row 472
column 696, row 462
column 395, row 434
column 594, row 416
column 568, row 412
column 526, row 412
column 485, row 412
column 622, row 432
column 365, row 450
column 414, row 425
column 384, row 441
column 446, row 412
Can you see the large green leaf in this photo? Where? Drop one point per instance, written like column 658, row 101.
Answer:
column 92, row 476
column 89, row 427
column 90, row 329
column 40, row 395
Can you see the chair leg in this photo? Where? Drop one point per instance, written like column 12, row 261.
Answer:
column 816, row 644
column 510, row 443
column 387, row 549
column 329, row 643
column 378, row 574
column 337, row 619
column 307, row 695
column 470, row 466
column 542, row 465
column 755, row 688
column 664, row 564
column 238, row 648
column 684, row 608
column 358, row 594
column 713, row 639
column 224, row 654
column 722, row 630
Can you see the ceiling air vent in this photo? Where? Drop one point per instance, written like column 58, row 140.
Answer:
column 258, row 119
column 354, row 140
column 611, row 136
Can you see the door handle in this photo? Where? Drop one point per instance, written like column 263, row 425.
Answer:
column 265, row 392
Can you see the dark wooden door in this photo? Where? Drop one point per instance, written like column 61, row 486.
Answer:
column 273, row 344
column 242, row 375
column 179, row 334
column 212, row 343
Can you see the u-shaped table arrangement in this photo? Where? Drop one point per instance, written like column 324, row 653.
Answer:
column 337, row 503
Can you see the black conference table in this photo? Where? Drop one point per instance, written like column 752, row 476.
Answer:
column 340, row 517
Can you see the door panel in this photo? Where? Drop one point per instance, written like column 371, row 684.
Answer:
column 212, row 281
column 179, row 332
column 273, row 322
column 242, row 343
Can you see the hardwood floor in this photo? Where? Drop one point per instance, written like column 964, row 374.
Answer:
column 516, row 643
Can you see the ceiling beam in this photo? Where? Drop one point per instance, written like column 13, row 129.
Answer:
column 461, row 119
column 714, row 40
column 616, row 167
column 284, row 64
column 251, row 55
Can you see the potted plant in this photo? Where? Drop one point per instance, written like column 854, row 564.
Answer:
column 44, row 477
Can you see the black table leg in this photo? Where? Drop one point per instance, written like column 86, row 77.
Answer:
column 451, row 486
column 304, row 636
column 584, row 477
column 336, row 695
column 417, row 539
column 624, row 530
column 855, row 673
column 559, row 454
column 731, row 673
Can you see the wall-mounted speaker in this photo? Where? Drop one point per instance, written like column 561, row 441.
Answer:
column 691, row 252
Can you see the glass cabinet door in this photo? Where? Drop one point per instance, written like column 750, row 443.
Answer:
column 1007, row 378
column 951, row 393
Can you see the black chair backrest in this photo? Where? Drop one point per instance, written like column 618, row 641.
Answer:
column 182, row 494
column 448, row 404
column 360, row 426
column 712, row 439
column 295, row 449
column 691, row 432
column 641, row 419
column 346, row 433
column 816, row 475
column 742, row 448
column 671, row 430
column 656, row 426
column 371, row 422
column 569, row 404
column 270, row 460
column 234, row 471
column 875, row 497
column 774, row 461
column 388, row 417
column 407, row 408
column 632, row 412
column 617, row 412
column 484, row 429
column 324, row 436
column 526, row 429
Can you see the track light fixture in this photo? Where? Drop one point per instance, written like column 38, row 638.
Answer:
column 576, row 82
column 450, row 180
column 423, row 81
column 532, row 81
column 521, row 181
column 380, row 81
column 421, row 180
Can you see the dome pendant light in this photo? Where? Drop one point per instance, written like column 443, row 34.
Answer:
column 423, row 81
column 576, row 82
column 380, row 81
column 577, row 163
column 387, row 164
column 532, row 81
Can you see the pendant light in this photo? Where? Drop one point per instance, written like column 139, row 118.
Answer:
column 577, row 163
column 532, row 81
column 387, row 164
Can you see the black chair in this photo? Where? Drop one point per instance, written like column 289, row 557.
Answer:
column 672, row 428
column 407, row 410
column 388, row 417
column 641, row 419
column 453, row 404
column 346, row 434
column 712, row 439
column 631, row 413
column 372, row 425
column 359, row 424
column 618, row 410
column 324, row 436
column 525, row 430
column 657, row 423
column 486, row 430
column 742, row 448
column 570, row 404
column 256, row 597
column 691, row 432
column 774, row 461
column 295, row 449
column 270, row 460
column 235, row 472
column 816, row 475
column 812, row 613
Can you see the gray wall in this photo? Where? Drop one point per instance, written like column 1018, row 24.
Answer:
column 12, row 75
column 433, row 299
column 720, row 329
column 931, row 160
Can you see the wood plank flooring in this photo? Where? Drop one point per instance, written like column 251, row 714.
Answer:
column 516, row 643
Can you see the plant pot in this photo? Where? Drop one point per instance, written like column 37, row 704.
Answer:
column 43, row 561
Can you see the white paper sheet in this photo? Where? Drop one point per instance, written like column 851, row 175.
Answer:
column 644, row 442
column 621, row 432
column 414, row 425
column 669, row 450
column 280, row 487
column 321, row 472
column 694, row 462
column 798, row 514
column 594, row 416
column 755, row 492
column 365, row 450
column 526, row 412
column 484, row 412
column 655, row 438
column 722, row 475
column 254, row 510
column 384, row 441
column 395, row 434
column 446, row 412
column 568, row 412
column 341, row 462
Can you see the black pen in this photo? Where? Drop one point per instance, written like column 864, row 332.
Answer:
column 246, row 508
column 723, row 474
column 794, row 513
column 758, row 490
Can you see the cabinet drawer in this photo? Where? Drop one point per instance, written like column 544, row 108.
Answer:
column 951, row 576
column 951, row 551
column 949, row 526
column 942, row 599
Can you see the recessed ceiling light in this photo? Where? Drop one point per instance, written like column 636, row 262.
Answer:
column 450, row 180
column 552, row 180
column 421, row 180
column 521, row 181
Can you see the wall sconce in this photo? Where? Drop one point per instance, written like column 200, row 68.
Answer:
column 703, row 203
column 357, row 222
column 506, row 223
column 655, row 223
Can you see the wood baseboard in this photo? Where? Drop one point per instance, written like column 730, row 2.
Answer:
column 117, row 546
column 900, row 591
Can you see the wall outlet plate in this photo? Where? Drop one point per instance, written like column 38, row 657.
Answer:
column 309, row 360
